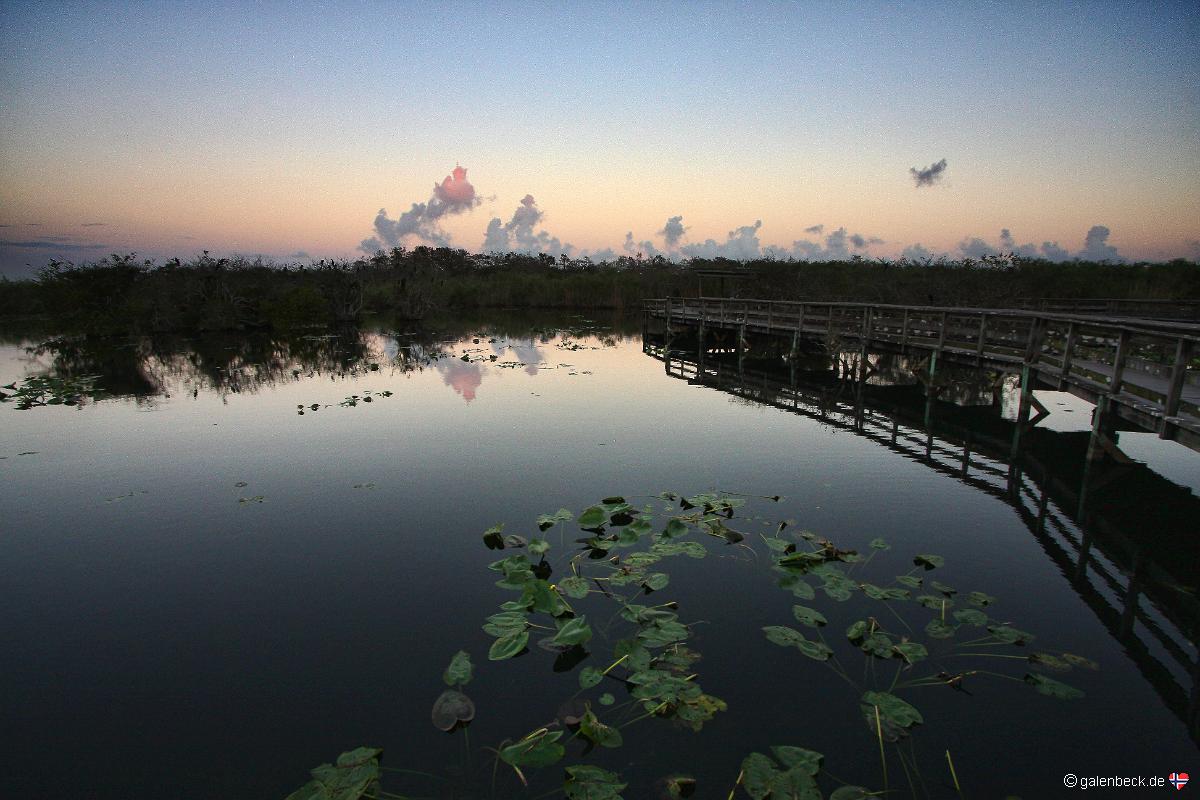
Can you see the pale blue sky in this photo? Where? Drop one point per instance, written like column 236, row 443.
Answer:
column 280, row 127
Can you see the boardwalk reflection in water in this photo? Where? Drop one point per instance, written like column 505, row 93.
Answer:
column 1135, row 563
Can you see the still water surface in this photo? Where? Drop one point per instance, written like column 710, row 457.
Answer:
column 170, row 632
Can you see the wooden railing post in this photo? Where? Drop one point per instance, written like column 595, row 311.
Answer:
column 1118, row 374
column 979, row 345
column 942, row 333
column 904, row 331
column 1183, row 355
column 1037, row 332
column 1068, row 354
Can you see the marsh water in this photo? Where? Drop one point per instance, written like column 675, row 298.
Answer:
column 229, row 565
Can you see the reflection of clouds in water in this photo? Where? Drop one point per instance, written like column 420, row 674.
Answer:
column 524, row 350
column 463, row 377
column 529, row 354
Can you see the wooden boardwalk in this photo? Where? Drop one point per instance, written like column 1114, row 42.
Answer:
column 1142, row 370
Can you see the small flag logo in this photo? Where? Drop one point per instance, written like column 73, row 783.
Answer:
column 1178, row 779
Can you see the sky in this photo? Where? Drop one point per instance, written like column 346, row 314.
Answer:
column 784, row 129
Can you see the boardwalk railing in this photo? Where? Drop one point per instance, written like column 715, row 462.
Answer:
column 1144, row 369
column 1148, row 309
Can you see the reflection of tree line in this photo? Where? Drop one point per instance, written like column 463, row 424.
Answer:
column 1103, row 518
column 146, row 367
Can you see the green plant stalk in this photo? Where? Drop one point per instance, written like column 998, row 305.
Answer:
column 882, row 755
column 953, row 774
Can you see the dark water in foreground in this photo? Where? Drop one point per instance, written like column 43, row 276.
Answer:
column 169, row 632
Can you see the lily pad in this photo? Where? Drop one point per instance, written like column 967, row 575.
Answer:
column 586, row 782
column 971, row 616
column 537, row 750
column 929, row 561
column 573, row 631
column 600, row 733
column 508, row 645
column 809, row 616
column 1051, row 687
column 574, row 586
column 896, row 717
column 452, row 708
column 589, row 677
column 459, row 671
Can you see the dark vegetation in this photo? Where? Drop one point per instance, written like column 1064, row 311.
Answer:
column 121, row 295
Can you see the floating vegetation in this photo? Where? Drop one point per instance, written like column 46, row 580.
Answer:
column 127, row 495
column 42, row 390
column 350, row 402
column 646, row 668
column 258, row 498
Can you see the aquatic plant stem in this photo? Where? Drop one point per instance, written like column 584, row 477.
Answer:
column 741, row 775
column 882, row 754
column 953, row 774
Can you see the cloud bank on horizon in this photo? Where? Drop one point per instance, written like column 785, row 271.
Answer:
column 454, row 195
column 522, row 234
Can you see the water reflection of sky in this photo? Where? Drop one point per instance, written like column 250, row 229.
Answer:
column 148, row 610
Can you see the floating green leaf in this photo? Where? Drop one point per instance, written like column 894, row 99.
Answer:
column 880, row 544
column 1051, row 687
column 586, row 782
column 938, row 629
column 459, row 671
column 539, row 749
column 1010, row 635
column 451, row 708
column 355, row 773
column 971, row 616
column 589, row 677
column 592, row 517
column 807, row 761
column 809, row 616
column 573, row 631
column 895, row 717
column 980, row 599
column 1080, row 661
column 493, row 537
column 929, row 561
column 607, row 699
column 656, row 581
column 912, row 652
column 598, row 732
column 575, row 587
column 1050, row 662
column 675, row 528
column 508, row 645
column 783, row 635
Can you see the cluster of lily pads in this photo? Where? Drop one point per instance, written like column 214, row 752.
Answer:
column 619, row 562
column 45, row 390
